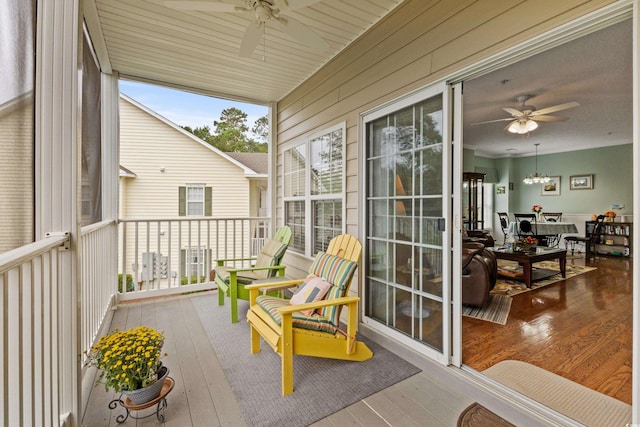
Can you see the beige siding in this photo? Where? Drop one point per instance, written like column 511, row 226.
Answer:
column 147, row 145
column 16, row 175
column 421, row 42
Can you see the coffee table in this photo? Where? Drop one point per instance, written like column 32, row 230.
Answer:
column 527, row 259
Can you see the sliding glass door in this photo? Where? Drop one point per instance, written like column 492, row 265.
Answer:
column 407, row 203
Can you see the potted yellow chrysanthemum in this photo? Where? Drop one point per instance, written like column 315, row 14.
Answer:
column 130, row 362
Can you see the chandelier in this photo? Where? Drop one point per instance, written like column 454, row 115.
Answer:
column 536, row 178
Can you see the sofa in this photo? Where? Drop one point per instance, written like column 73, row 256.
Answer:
column 479, row 273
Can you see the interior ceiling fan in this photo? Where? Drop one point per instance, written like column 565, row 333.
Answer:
column 525, row 120
column 263, row 11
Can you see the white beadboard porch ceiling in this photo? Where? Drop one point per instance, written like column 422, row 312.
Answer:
column 145, row 40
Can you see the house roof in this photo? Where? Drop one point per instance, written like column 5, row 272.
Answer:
column 259, row 162
column 248, row 171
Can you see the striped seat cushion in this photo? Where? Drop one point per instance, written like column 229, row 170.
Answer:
column 337, row 271
column 270, row 255
column 315, row 322
column 243, row 277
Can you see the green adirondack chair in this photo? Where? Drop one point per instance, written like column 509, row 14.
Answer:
column 231, row 281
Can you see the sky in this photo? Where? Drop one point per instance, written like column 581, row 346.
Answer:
column 185, row 108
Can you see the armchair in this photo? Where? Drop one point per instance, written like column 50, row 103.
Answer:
column 232, row 281
column 479, row 273
column 289, row 331
column 480, row 236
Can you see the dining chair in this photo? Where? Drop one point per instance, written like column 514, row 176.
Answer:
column 590, row 240
column 527, row 224
column 504, row 224
column 552, row 216
column 553, row 240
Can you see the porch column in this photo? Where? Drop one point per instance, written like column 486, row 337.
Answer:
column 57, row 175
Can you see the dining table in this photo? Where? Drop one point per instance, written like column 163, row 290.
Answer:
column 547, row 228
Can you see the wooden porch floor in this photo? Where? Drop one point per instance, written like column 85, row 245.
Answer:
column 202, row 395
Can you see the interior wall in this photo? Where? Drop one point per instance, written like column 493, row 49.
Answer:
column 612, row 169
column 421, row 42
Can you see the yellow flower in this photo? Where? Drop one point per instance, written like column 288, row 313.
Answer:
column 127, row 359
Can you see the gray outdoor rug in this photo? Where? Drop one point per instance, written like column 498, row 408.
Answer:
column 321, row 386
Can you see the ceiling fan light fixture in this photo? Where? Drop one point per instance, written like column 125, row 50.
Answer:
column 523, row 126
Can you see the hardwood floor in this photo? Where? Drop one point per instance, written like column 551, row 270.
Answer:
column 579, row 328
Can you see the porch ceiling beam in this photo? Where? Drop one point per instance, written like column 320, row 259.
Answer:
column 95, row 31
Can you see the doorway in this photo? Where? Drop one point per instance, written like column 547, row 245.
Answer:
column 595, row 136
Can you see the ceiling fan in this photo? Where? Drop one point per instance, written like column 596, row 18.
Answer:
column 525, row 120
column 263, row 11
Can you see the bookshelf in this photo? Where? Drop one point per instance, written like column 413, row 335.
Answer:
column 615, row 239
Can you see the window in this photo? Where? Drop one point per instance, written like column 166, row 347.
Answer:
column 314, row 189
column 194, row 200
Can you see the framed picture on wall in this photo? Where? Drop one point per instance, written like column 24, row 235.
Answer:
column 551, row 188
column 581, row 182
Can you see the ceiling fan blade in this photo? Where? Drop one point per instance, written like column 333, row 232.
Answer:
column 555, row 108
column 513, row 112
column 549, row 119
column 251, row 39
column 492, row 121
column 301, row 33
column 205, row 6
column 295, row 4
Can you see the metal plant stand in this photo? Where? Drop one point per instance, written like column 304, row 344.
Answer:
column 129, row 406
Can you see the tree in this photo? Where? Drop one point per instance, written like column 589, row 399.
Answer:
column 261, row 129
column 231, row 132
column 203, row 132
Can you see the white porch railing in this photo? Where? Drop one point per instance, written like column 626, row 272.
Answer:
column 167, row 255
column 35, row 298
column 99, row 261
column 31, row 329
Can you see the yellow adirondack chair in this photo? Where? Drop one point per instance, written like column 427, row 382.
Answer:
column 290, row 332
column 232, row 281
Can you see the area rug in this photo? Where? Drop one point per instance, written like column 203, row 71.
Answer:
column 495, row 310
column 321, row 386
column 477, row 415
column 512, row 287
column 574, row 400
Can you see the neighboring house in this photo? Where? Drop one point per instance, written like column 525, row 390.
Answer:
column 16, row 207
column 168, row 173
